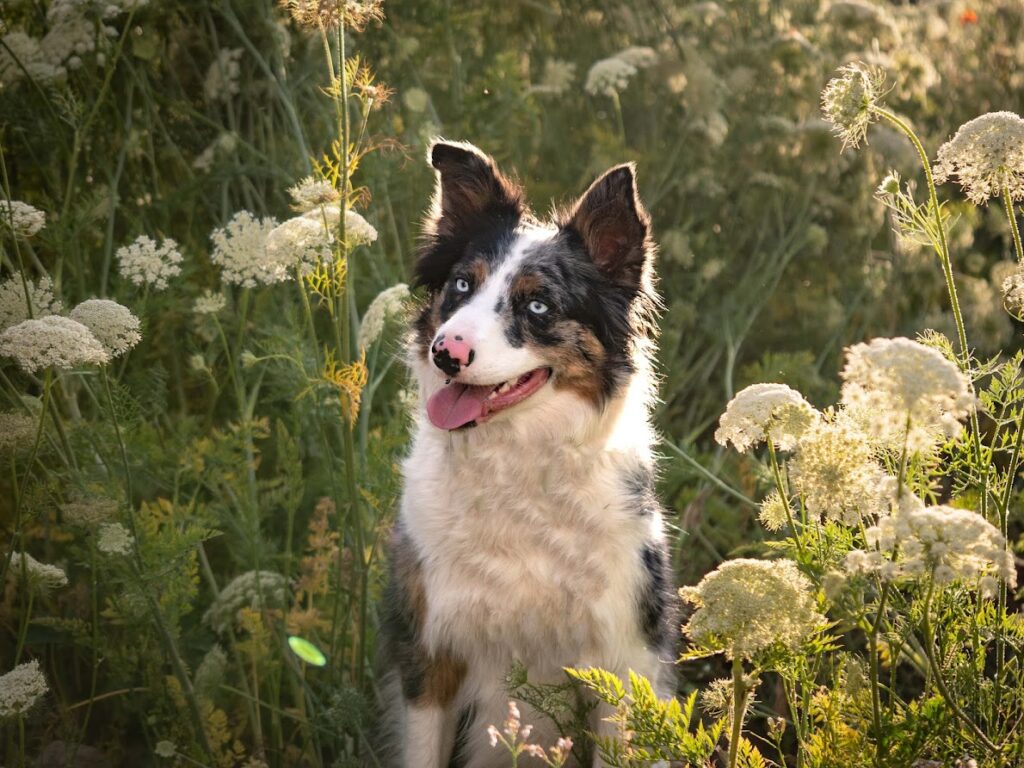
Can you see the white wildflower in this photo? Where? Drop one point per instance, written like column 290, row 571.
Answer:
column 210, row 303
column 763, row 411
column 51, row 341
column 244, row 591
column 986, row 155
column 21, row 218
column 773, row 512
column 557, row 78
column 389, row 303
column 222, row 75
column 639, row 56
column 116, row 328
column 21, row 55
column 13, row 307
column 835, row 473
column 114, row 539
column 1012, row 285
column 849, row 100
column 21, row 688
column 609, row 76
column 893, row 384
column 240, row 249
column 358, row 231
column 299, row 242
column 416, row 99
column 943, row 542
column 17, row 432
column 89, row 512
column 147, row 262
column 165, row 748
column 311, row 192
column 747, row 606
column 40, row 577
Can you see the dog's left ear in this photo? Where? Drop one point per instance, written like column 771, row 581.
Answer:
column 614, row 225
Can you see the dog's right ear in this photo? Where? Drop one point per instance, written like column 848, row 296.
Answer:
column 472, row 195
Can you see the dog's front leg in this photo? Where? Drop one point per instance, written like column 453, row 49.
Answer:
column 429, row 735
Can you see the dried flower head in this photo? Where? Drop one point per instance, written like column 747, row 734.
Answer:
column 13, row 304
column 747, row 606
column 21, row 218
column 52, row 341
column 849, row 101
column 148, row 262
column 244, row 591
column 39, row 577
column 763, row 411
column 210, row 303
column 900, row 389
column 835, row 472
column 240, row 250
column 21, row 688
column 311, row 192
column 116, row 328
column 388, row 303
column 114, row 539
column 353, row 14
column 986, row 156
column 89, row 512
column 17, row 432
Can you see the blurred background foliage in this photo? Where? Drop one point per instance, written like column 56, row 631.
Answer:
column 165, row 118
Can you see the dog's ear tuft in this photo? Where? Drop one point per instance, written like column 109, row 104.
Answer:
column 614, row 226
column 472, row 195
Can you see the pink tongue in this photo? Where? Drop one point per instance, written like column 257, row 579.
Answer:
column 456, row 405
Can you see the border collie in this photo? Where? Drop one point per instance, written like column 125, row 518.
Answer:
column 528, row 530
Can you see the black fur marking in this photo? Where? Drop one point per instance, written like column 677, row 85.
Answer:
column 447, row 363
column 656, row 602
column 400, row 625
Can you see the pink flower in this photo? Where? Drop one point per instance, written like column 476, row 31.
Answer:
column 492, row 732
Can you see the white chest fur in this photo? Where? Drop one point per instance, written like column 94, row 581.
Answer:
column 529, row 552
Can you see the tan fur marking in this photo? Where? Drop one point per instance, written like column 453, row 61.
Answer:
column 574, row 371
column 444, row 675
column 525, row 285
column 479, row 270
column 428, row 324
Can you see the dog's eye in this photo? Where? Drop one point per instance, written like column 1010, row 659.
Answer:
column 462, row 285
column 538, row 307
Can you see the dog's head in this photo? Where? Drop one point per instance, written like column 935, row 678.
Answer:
column 529, row 320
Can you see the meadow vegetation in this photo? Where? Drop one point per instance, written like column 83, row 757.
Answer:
column 208, row 213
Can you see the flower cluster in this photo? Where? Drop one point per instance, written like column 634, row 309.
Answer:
column 612, row 75
column 147, row 262
column 89, row 512
column 114, row 539
column 765, row 411
column 39, row 577
column 21, row 218
column 557, row 78
column 116, row 328
column 774, row 512
column 54, row 341
column 901, row 390
column 210, row 303
column 515, row 738
column 1013, row 291
column 388, row 303
column 299, row 242
column 221, row 81
column 240, row 249
column 748, row 606
column 311, row 192
column 986, row 156
column 14, row 307
column 21, row 688
column 17, row 432
column 849, row 100
column 244, row 591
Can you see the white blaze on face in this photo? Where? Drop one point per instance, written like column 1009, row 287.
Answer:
column 480, row 324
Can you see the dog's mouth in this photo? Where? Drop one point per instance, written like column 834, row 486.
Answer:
column 461, row 405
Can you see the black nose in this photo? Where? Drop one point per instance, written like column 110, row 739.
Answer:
column 444, row 360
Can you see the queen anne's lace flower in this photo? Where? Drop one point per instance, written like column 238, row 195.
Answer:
column 209, row 303
column 639, row 56
column 835, row 473
column 221, row 81
column 113, row 324
column 88, row 513
column 17, row 432
column 388, row 303
column 773, row 513
column 985, row 155
column 52, row 341
column 893, row 384
column 147, row 262
column 301, row 242
column 848, row 101
column 21, row 688
column 41, row 577
column 244, row 591
column 114, row 539
column 747, row 606
column 556, row 79
column 1013, row 291
column 21, row 218
column 945, row 543
column 240, row 249
column 13, row 308
column 609, row 76
column 358, row 231
column 765, row 410
column 311, row 192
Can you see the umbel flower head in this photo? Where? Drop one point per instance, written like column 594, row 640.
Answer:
column 849, row 100
column 17, row 432
column 54, row 341
column 354, row 14
column 21, row 688
column 900, row 389
column 311, row 192
column 148, row 262
column 834, row 471
column 114, row 539
column 1013, row 292
column 986, row 155
column 745, row 607
column 116, row 328
column 388, row 303
column 38, row 576
column 763, row 411
column 244, row 591
column 13, row 306
column 240, row 250
column 21, row 218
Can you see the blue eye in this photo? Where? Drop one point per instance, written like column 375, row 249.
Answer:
column 462, row 285
column 538, row 307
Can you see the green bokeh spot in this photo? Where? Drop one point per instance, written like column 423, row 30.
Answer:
column 306, row 651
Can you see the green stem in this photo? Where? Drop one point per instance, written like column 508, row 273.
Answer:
column 876, row 696
column 1008, row 203
column 739, row 710
column 781, row 486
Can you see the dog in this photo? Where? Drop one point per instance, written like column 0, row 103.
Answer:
column 528, row 529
